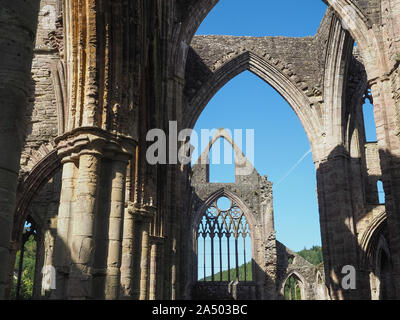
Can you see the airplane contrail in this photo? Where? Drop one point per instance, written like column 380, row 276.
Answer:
column 294, row 167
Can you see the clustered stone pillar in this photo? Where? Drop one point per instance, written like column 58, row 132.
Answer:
column 137, row 253
column 89, row 241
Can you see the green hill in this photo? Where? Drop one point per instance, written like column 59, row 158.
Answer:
column 313, row 255
column 249, row 274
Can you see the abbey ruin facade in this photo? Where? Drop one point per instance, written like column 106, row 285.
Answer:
column 83, row 81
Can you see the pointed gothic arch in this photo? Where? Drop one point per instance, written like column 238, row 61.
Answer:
column 351, row 16
column 295, row 283
column 272, row 73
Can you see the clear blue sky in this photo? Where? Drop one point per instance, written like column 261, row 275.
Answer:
column 247, row 102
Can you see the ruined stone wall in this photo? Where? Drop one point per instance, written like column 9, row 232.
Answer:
column 288, row 263
column 272, row 261
column 298, row 56
column 41, row 115
column 374, row 171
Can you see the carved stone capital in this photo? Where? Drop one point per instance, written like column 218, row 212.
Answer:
column 143, row 213
column 94, row 141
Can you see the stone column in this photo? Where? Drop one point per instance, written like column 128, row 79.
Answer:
column 83, row 233
column 145, row 217
column 18, row 20
column 128, row 255
column 153, row 271
column 118, row 174
column 91, row 211
column 61, row 258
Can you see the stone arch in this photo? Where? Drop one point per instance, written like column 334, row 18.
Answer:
column 273, row 72
column 242, row 165
column 38, row 176
column 369, row 235
column 339, row 51
column 349, row 13
column 296, row 274
column 380, row 265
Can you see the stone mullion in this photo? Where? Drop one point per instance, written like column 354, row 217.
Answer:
column 118, row 174
column 83, row 231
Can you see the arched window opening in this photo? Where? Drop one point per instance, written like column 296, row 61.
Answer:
column 293, row 288
column 381, row 192
column 25, row 263
column 222, row 162
column 369, row 118
column 246, row 102
column 224, row 243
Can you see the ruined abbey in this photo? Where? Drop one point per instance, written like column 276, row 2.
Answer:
column 82, row 82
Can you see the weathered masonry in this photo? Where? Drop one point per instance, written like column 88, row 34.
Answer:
column 83, row 81
column 223, row 217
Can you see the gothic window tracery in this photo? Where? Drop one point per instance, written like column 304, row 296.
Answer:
column 224, row 243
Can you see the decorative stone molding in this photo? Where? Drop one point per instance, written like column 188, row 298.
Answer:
column 96, row 141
